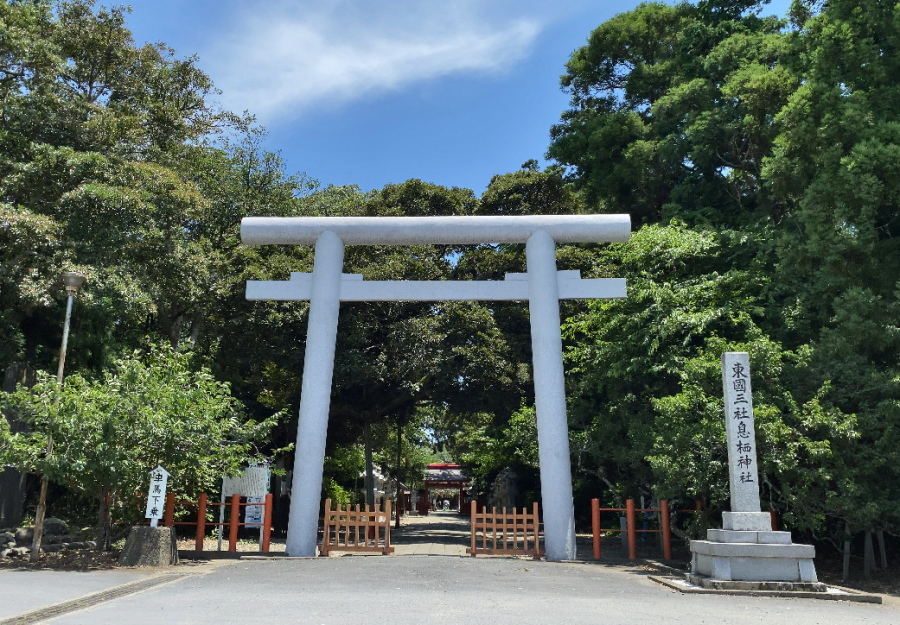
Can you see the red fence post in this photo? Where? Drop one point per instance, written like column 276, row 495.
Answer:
column 201, row 522
column 267, row 523
column 774, row 520
column 169, row 519
column 666, row 529
column 595, row 526
column 629, row 522
column 233, row 526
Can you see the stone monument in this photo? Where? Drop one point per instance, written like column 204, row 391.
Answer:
column 505, row 490
column 150, row 546
column 747, row 551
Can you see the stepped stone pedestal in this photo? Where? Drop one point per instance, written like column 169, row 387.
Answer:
column 753, row 553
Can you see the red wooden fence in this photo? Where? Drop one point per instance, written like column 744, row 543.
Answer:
column 233, row 522
column 631, row 527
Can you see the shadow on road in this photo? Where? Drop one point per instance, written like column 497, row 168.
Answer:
column 445, row 528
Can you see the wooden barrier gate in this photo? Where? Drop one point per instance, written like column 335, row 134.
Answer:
column 509, row 529
column 358, row 529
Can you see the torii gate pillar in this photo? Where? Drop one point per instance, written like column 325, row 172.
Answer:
column 315, row 395
column 550, row 398
column 542, row 286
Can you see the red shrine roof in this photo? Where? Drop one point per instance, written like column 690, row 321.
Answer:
column 444, row 474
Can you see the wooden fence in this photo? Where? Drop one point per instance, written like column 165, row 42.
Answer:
column 631, row 526
column 357, row 528
column 233, row 523
column 506, row 533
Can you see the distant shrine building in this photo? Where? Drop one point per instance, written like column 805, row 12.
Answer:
column 445, row 476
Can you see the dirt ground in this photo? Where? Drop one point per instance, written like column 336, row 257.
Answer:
column 67, row 560
column 91, row 560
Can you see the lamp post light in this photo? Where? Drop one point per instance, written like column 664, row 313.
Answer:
column 71, row 281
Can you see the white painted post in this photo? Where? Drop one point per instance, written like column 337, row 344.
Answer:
column 315, row 398
column 550, row 398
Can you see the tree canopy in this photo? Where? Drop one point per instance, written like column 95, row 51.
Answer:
column 758, row 157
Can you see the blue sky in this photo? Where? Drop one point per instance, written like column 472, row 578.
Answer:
column 375, row 92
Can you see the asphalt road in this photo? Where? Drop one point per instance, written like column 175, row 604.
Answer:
column 24, row 591
column 426, row 589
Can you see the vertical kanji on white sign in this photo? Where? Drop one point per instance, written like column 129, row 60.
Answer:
column 156, row 497
column 740, row 432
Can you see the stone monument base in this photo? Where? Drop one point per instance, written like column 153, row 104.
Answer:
column 717, row 584
column 150, row 546
column 746, row 552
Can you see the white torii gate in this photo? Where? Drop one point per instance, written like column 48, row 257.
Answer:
column 543, row 286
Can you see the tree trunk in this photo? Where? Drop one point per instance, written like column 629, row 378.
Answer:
column 12, row 497
column 399, row 493
column 868, row 555
column 196, row 324
column 880, row 535
column 846, row 570
column 12, row 481
column 370, row 472
column 103, row 542
column 39, row 515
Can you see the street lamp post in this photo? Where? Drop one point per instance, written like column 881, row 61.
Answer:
column 72, row 281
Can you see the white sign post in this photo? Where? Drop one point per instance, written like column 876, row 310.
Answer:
column 156, row 496
column 542, row 287
column 253, row 484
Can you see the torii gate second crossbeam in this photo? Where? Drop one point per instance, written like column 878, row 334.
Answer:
column 542, row 286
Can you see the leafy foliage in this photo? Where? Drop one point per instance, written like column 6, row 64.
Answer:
column 757, row 156
column 773, row 150
column 108, row 434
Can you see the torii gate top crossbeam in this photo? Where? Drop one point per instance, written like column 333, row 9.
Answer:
column 435, row 230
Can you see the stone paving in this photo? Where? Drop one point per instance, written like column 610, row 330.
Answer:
column 24, row 591
column 457, row 590
column 436, row 534
column 454, row 589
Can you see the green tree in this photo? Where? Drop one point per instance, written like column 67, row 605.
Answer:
column 836, row 160
column 647, row 396
column 672, row 112
column 108, row 434
column 90, row 122
column 780, row 144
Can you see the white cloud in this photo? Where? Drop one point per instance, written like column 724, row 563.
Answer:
column 282, row 59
